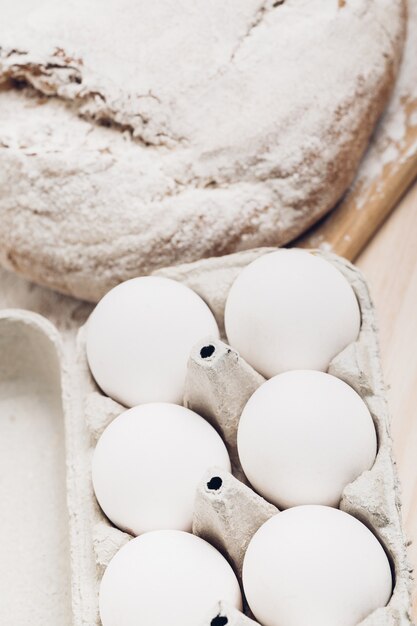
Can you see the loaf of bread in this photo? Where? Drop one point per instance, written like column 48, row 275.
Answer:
column 137, row 134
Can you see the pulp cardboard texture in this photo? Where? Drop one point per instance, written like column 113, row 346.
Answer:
column 35, row 574
column 227, row 510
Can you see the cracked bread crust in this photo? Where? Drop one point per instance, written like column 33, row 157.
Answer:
column 155, row 133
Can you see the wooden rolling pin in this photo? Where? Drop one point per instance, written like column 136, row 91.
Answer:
column 354, row 221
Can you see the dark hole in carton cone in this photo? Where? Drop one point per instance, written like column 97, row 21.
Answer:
column 219, row 620
column 207, row 351
column 214, row 484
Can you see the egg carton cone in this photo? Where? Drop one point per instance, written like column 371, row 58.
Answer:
column 227, row 511
column 225, row 615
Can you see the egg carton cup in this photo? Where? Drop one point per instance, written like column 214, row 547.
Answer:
column 227, row 511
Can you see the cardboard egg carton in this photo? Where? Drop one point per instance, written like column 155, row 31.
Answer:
column 227, row 511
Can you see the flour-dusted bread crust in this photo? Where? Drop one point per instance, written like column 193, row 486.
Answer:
column 137, row 134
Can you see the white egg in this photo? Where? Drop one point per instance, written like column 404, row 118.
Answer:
column 290, row 310
column 147, row 465
column 139, row 338
column 315, row 565
column 303, row 436
column 166, row 577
